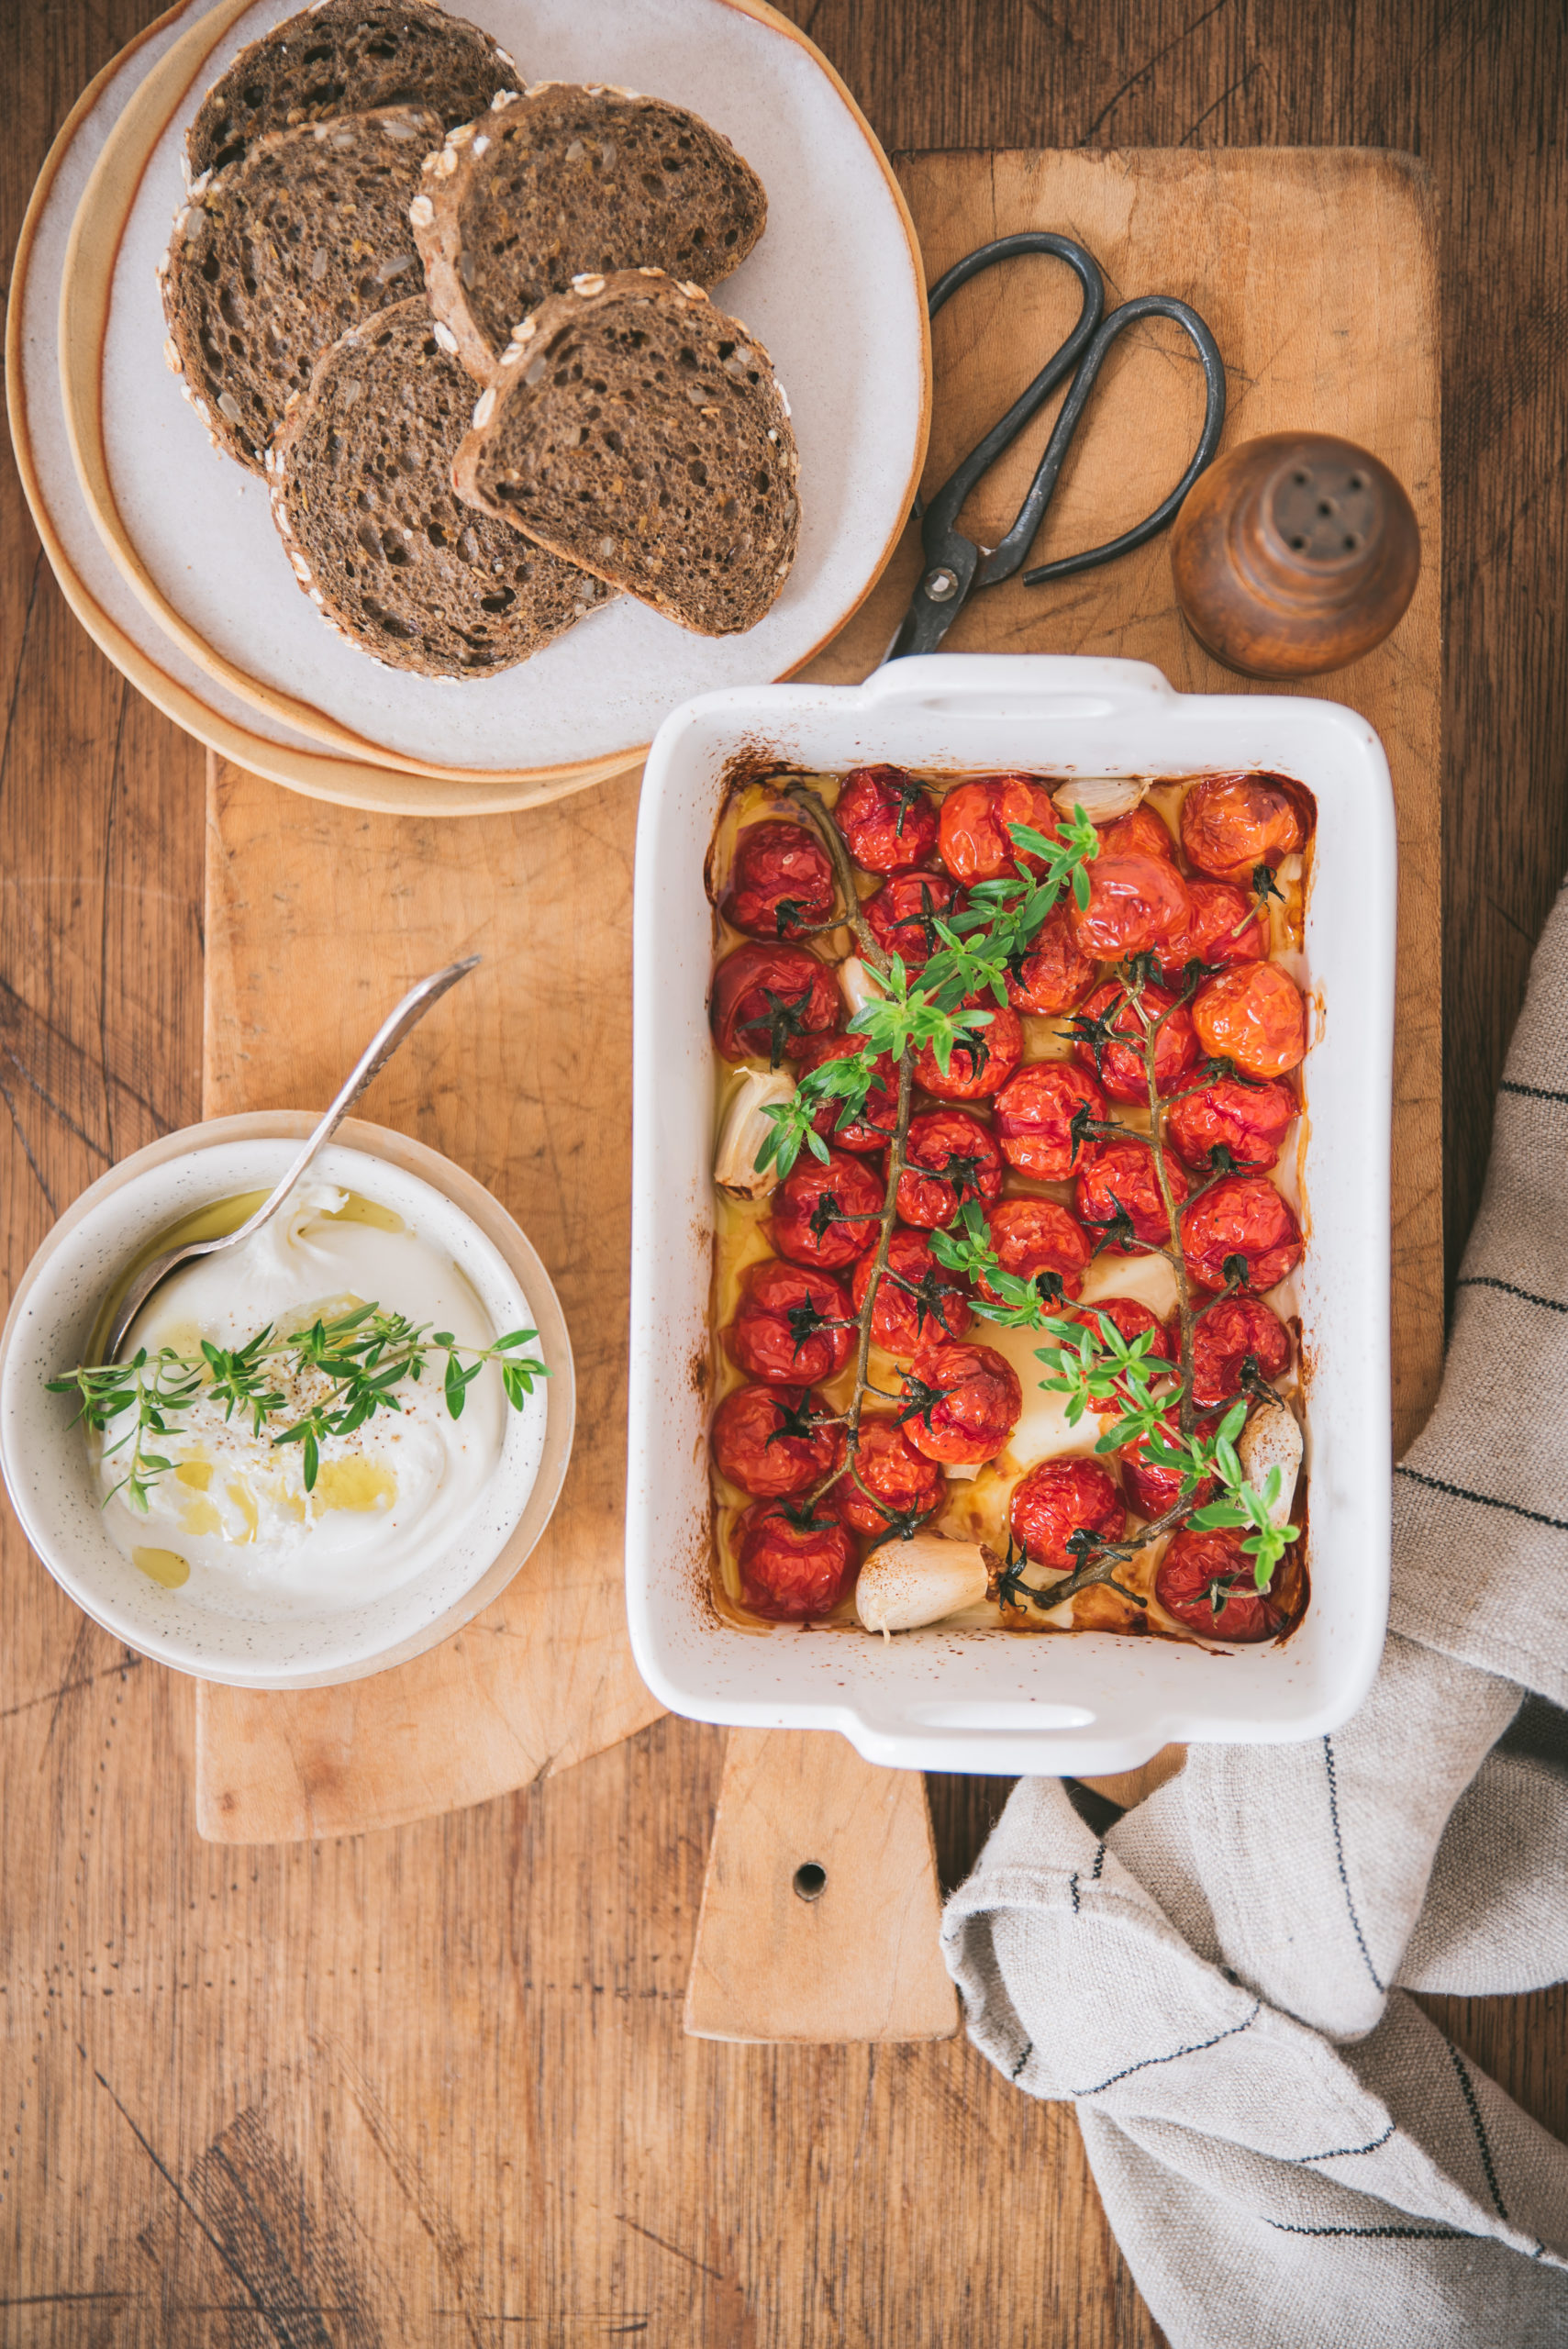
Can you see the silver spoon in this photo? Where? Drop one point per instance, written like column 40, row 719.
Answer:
column 371, row 1061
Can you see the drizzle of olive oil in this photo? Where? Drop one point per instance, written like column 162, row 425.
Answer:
column 165, row 1566
column 201, row 1516
column 357, row 1209
column 197, row 1474
column 244, row 1500
column 356, row 1483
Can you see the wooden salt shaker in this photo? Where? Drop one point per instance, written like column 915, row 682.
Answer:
column 1295, row 554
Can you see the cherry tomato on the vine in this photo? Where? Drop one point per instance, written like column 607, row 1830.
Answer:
column 1061, row 1497
column 981, row 1062
column 974, row 840
column 970, row 1400
column 1034, row 1236
column 768, row 1000
column 826, row 1214
column 1119, row 1066
column 1256, row 1013
column 781, row 881
column 1122, row 1174
column 902, row 1481
column 1151, row 1485
column 764, row 1441
column 1224, row 927
column 948, row 1157
column 888, row 819
column 1055, row 974
column 791, row 1568
column 1231, row 1330
column 902, row 1322
column 1130, row 1317
column 778, row 1333
column 1242, row 1216
column 1249, row 1120
column 875, row 1129
column 1207, row 1582
column 903, row 913
column 1233, row 823
column 1135, row 903
column 1034, row 1114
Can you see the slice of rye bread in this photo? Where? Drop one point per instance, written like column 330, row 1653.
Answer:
column 282, row 253
column 562, row 181
column 346, row 56
column 637, row 431
column 361, row 494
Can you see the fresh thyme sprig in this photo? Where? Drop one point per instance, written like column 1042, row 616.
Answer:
column 354, row 1364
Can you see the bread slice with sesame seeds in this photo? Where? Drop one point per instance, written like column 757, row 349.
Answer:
column 347, row 57
column 637, row 431
column 361, row 494
column 562, row 180
column 281, row 253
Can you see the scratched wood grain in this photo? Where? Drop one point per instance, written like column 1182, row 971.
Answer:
column 430, row 2085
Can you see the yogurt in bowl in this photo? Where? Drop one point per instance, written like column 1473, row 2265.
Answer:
column 266, row 1535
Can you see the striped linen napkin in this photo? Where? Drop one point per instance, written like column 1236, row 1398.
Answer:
column 1289, row 2151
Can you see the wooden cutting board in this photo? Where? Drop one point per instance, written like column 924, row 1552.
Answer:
column 1315, row 270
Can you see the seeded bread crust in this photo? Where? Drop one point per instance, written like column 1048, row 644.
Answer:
column 347, row 57
column 361, row 495
column 562, row 180
column 637, row 431
column 281, row 253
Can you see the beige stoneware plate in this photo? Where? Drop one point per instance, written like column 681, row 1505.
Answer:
column 834, row 290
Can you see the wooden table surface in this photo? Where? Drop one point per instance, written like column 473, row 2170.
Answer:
column 225, row 2117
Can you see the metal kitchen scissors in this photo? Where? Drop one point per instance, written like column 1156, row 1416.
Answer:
column 955, row 566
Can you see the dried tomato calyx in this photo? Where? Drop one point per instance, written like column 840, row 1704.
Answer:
column 963, row 1171
column 828, row 1212
column 929, row 1294
column 804, row 1321
column 802, row 1516
column 1264, row 885
column 785, row 1020
column 920, row 1400
column 795, row 1418
column 1117, row 1229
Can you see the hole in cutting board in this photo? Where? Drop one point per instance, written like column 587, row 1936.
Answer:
column 810, row 1880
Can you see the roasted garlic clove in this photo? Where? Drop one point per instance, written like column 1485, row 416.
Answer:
column 904, row 1584
column 1103, row 797
column 745, row 1130
column 858, row 984
column 1272, row 1438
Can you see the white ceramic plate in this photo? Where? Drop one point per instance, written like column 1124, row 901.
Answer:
column 988, row 1700
column 834, row 291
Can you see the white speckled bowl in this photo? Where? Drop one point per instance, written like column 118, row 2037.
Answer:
column 50, row 1479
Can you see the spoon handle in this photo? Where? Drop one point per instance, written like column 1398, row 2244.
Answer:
column 371, row 1061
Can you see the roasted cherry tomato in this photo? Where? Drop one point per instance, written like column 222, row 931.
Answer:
column 1249, row 1120
column 876, row 1129
column 1034, row 1114
column 827, row 1214
column 1135, row 902
column 1152, row 1487
column 903, row 1482
column 1055, row 974
column 981, row 1061
column 794, row 1561
column 1034, row 1236
column 781, row 881
column 1120, row 1067
column 1242, row 1216
column 1207, row 1581
column 948, row 1157
column 1141, row 833
column 1232, row 1328
column 767, row 1000
column 903, row 913
column 1061, row 1497
column 1257, row 1014
column 1224, row 927
column 975, row 844
column 1233, row 823
column 918, row 1301
column 888, row 819
column 1131, row 1319
column 763, row 1440
column 1122, row 1174
column 970, row 1399
column 792, row 1325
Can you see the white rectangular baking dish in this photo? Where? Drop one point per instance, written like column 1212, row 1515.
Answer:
column 996, row 1701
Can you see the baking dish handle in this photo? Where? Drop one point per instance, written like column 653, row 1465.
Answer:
column 1075, row 685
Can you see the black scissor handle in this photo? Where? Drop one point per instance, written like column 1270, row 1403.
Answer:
column 1145, row 305
column 943, row 509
